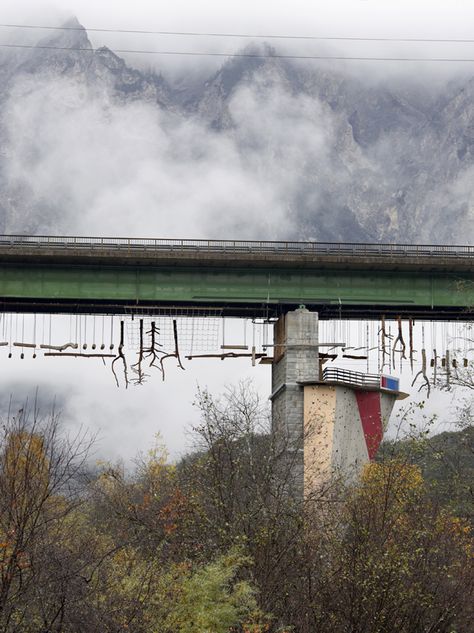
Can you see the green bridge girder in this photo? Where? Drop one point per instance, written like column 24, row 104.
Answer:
column 118, row 275
column 238, row 290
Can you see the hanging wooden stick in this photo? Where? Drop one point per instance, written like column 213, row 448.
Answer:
column 229, row 355
column 78, row 355
column 60, row 348
column 175, row 354
column 410, row 328
column 121, row 356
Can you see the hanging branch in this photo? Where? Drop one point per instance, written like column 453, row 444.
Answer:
column 78, row 355
column 422, row 372
column 400, row 340
column 60, row 348
column 137, row 367
column 435, row 366
column 121, row 356
column 243, row 355
column 175, row 354
column 153, row 350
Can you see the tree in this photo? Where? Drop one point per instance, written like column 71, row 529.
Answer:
column 393, row 560
column 39, row 490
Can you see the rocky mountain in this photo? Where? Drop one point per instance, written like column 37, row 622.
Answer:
column 263, row 148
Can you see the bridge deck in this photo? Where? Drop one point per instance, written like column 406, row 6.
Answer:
column 90, row 274
column 250, row 253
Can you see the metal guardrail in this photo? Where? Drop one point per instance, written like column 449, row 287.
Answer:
column 334, row 374
column 233, row 246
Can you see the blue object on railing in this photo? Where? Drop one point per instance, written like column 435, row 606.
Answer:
column 389, row 382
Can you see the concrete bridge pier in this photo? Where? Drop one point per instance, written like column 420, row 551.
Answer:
column 296, row 361
column 329, row 424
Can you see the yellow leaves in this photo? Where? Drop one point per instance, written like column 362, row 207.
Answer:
column 406, row 477
column 25, row 467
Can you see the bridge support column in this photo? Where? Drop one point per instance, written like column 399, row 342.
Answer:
column 296, row 361
column 328, row 429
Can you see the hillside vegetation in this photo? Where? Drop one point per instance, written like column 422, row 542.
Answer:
column 218, row 544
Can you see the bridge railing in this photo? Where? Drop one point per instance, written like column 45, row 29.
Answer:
column 83, row 243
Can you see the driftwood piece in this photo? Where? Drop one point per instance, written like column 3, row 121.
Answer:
column 227, row 355
column 60, row 348
column 422, row 373
column 399, row 339
column 137, row 367
column 153, row 350
column 121, row 356
column 77, row 355
column 174, row 354
column 384, row 336
column 323, row 355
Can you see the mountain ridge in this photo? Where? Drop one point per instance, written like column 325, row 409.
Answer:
column 339, row 158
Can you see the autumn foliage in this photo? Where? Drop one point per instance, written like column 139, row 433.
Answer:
column 216, row 543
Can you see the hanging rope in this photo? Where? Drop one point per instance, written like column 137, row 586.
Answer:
column 11, row 336
column 84, row 346
column 253, row 344
column 112, row 331
column 410, row 342
column 34, row 335
column 102, row 345
column 93, row 332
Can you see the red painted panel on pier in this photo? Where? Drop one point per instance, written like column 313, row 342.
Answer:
column 371, row 418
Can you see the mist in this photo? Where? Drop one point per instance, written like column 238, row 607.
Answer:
column 238, row 148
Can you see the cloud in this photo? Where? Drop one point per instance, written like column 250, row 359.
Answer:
column 81, row 161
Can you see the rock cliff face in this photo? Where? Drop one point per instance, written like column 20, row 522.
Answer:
column 265, row 148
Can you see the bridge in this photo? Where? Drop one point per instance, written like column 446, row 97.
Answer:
column 58, row 274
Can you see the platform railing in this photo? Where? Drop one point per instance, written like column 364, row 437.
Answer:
column 83, row 243
column 345, row 376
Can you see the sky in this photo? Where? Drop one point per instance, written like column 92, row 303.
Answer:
column 339, row 18
column 126, row 421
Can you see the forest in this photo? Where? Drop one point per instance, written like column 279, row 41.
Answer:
column 216, row 543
